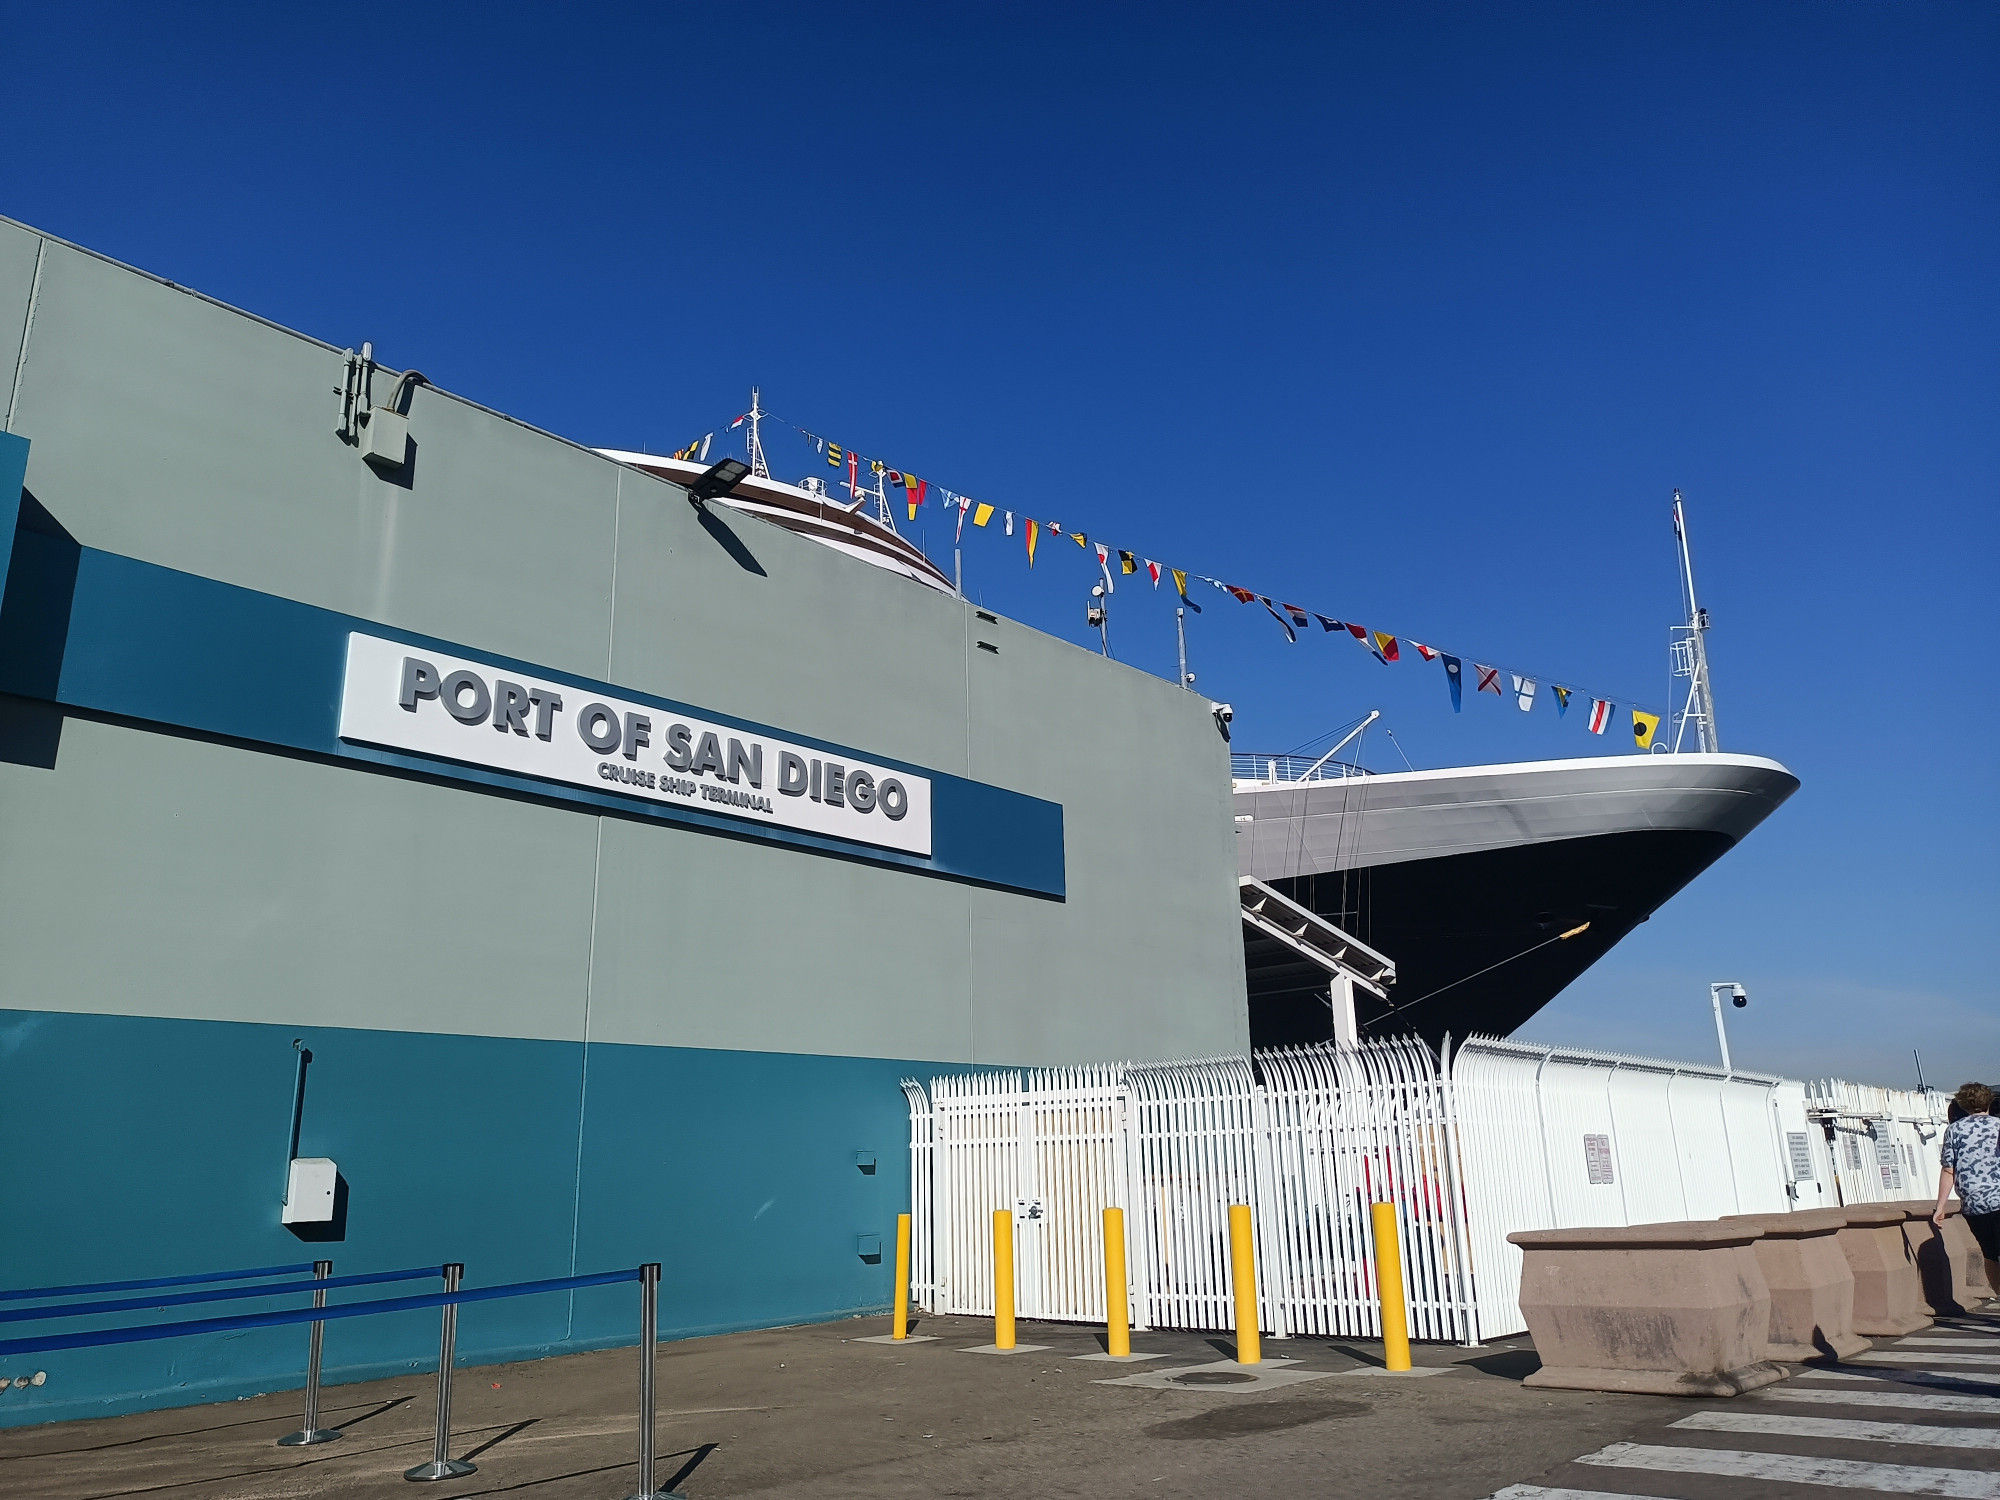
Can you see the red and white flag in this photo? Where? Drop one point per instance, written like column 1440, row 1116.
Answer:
column 1104, row 566
column 1489, row 679
column 1428, row 653
column 1154, row 569
column 1600, row 715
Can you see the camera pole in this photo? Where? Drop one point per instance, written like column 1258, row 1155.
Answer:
column 1734, row 990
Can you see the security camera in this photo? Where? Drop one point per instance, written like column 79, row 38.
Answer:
column 1736, row 996
column 1224, row 713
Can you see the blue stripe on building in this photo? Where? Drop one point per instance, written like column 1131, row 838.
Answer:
column 749, row 1176
column 111, row 635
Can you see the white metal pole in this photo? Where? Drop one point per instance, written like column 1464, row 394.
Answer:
column 1721, row 1035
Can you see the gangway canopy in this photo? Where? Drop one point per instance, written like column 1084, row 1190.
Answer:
column 1299, row 965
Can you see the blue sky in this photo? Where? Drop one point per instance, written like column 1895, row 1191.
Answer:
column 1413, row 314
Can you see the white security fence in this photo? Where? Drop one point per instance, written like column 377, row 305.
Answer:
column 1879, row 1144
column 1502, row 1137
column 1559, row 1138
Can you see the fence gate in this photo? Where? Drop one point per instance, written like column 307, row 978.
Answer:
column 1322, row 1135
column 1044, row 1145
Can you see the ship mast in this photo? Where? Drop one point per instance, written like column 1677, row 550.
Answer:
column 882, row 512
column 755, row 446
column 1690, row 649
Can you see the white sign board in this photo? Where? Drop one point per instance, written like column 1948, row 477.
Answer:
column 1801, row 1149
column 406, row 698
column 1597, row 1158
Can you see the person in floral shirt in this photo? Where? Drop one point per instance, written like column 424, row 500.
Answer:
column 1970, row 1160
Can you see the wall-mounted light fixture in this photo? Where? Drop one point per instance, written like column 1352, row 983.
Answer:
column 719, row 480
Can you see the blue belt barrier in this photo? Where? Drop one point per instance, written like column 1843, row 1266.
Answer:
column 441, row 1465
column 133, row 1286
column 145, row 1331
column 284, row 1288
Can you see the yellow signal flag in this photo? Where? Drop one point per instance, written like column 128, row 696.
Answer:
column 1127, row 563
column 1080, row 539
column 1643, row 725
column 1034, row 533
column 981, row 514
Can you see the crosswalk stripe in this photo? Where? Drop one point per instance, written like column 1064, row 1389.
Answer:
column 1881, row 1378
column 1536, row 1492
column 1927, row 1357
column 1784, row 1424
column 1911, row 1400
column 1949, row 1343
column 1789, row 1468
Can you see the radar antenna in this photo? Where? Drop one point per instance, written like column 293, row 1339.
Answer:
column 1690, row 650
column 755, row 443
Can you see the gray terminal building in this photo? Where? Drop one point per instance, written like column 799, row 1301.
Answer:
column 574, row 866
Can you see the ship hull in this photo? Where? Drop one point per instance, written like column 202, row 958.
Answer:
column 1476, row 881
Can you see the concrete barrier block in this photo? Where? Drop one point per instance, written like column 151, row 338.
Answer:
column 1888, row 1291
column 1937, row 1271
column 1971, row 1261
column 1812, row 1289
column 1966, row 1262
column 1672, row 1309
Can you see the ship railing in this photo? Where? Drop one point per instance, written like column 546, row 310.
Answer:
column 1255, row 766
column 441, row 1464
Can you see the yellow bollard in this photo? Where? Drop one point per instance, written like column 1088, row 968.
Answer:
column 1243, row 1272
column 1003, row 1278
column 901, row 1328
column 1389, row 1288
column 1117, row 1298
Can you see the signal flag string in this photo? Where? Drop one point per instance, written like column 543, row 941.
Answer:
column 1386, row 647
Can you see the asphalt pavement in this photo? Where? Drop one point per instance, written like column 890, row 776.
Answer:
column 823, row 1411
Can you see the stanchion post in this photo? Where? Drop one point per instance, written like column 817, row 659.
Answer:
column 900, row 1327
column 1243, row 1273
column 311, row 1432
column 1003, row 1278
column 1117, row 1296
column 442, row 1464
column 1389, row 1287
column 649, row 1350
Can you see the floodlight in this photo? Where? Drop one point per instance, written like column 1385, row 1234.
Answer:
column 718, row 481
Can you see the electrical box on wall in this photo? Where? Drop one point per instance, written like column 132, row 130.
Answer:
column 309, row 1190
column 385, row 438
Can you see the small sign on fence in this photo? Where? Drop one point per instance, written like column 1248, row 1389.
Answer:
column 1801, row 1150
column 1597, row 1157
column 1027, row 1211
column 1885, row 1157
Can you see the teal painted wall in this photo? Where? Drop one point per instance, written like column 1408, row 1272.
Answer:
column 544, row 1038
column 143, row 1146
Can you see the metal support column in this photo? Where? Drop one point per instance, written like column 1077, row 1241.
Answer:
column 649, row 1348
column 311, row 1432
column 442, row 1464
